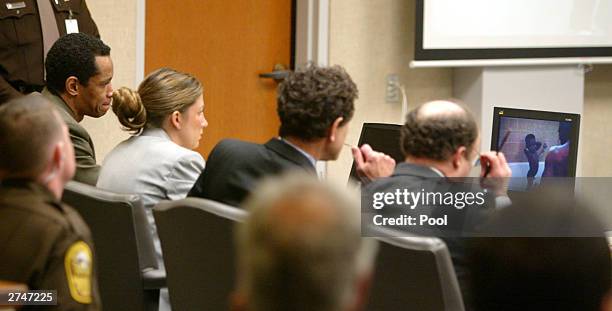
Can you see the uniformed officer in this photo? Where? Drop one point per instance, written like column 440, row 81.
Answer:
column 43, row 242
column 28, row 29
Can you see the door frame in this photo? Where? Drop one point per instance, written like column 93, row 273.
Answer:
column 141, row 8
column 310, row 36
column 312, row 32
column 312, row 42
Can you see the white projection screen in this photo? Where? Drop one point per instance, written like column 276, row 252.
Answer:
column 514, row 29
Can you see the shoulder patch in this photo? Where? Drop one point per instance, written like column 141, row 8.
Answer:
column 78, row 263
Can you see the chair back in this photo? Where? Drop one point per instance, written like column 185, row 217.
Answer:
column 123, row 245
column 414, row 273
column 198, row 245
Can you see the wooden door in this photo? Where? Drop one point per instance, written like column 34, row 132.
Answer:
column 226, row 44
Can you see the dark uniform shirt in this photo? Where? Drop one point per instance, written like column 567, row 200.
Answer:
column 21, row 42
column 46, row 245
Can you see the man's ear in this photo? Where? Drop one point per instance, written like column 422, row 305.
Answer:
column 175, row 120
column 58, row 155
column 333, row 129
column 72, row 86
column 459, row 155
column 54, row 167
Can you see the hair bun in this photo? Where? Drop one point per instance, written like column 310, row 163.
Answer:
column 130, row 111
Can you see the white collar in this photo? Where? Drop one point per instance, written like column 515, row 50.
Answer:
column 308, row 156
column 437, row 171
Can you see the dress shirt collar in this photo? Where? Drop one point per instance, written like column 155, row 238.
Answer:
column 306, row 154
column 407, row 168
column 437, row 171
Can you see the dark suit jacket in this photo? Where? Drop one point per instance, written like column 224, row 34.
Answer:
column 87, row 169
column 234, row 167
column 415, row 178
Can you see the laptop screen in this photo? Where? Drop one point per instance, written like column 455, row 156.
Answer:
column 381, row 137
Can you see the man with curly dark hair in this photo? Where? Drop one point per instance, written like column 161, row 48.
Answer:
column 79, row 73
column 315, row 106
column 310, row 101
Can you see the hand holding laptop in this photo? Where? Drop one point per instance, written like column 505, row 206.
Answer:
column 372, row 164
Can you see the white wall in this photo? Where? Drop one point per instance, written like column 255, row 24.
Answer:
column 596, row 140
column 372, row 39
column 116, row 20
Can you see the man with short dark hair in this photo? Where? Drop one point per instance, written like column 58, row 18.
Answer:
column 79, row 73
column 315, row 106
column 44, row 243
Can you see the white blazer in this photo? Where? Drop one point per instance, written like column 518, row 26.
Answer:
column 152, row 166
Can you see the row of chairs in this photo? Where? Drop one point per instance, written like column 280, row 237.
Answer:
column 412, row 273
column 129, row 277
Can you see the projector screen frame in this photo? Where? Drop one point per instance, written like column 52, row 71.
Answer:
column 500, row 56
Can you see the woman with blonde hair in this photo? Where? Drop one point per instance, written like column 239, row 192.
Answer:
column 166, row 118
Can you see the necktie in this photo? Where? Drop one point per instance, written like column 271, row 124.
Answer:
column 48, row 24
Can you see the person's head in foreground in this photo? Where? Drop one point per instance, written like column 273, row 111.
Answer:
column 315, row 106
column 166, row 99
column 35, row 144
column 552, row 269
column 79, row 70
column 301, row 249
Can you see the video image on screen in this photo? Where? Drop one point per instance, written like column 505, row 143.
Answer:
column 536, row 148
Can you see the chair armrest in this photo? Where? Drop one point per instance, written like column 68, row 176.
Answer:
column 154, row 279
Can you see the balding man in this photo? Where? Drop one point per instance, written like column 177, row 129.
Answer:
column 301, row 249
column 43, row 242
column 440, row 142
